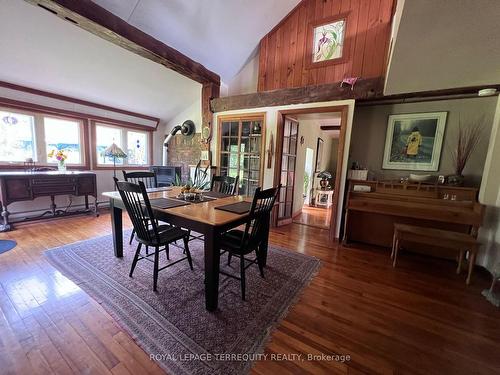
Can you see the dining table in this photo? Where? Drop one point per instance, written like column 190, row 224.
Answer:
column 201, row 217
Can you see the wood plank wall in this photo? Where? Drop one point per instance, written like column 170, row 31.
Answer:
column 283, row 50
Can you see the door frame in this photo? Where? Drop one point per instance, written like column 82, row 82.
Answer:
column 343, row 109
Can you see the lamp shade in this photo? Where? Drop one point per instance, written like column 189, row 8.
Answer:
column 114, row 151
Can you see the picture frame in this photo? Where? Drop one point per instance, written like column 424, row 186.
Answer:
column 414, row 141
column 319, row 155
column 322, row 48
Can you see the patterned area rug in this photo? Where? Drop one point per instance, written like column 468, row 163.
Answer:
column 173, row 324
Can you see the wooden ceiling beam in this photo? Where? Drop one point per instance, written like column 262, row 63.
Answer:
column 364, row 89
column 329, row 127
column 97, row 20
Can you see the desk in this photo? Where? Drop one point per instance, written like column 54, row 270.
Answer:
column 26, row 186
column 200, row 217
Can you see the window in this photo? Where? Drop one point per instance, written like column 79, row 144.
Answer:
column 136, row 148
column 17, row 137
column 31, row 135
column 241, row 150
column 62, row 134
column 134, row 143
column 105, row 136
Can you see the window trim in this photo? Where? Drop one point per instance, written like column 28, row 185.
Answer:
column 93, row 145
column 38, row 117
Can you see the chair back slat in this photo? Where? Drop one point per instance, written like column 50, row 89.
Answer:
column 259, row 216
column 148, row 178
column 224, row 184
column 136, row 201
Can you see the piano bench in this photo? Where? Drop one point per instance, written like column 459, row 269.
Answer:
column 460, row 242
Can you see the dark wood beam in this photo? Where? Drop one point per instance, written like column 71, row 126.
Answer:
column 423, row 96
column 97, row 20
column 364, row 89
column 330, row 127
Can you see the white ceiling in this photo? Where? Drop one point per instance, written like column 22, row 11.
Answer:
column 220, row 34
column 41, row 51
column 444, row 44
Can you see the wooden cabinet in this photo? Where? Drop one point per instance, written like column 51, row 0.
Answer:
column 23, row 186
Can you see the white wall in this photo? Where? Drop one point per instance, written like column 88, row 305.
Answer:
column 271, row 116
column 245, row 82
column 489, row 194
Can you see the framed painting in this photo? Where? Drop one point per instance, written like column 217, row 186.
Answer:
column 319, row 155
column 327, row 41
column 414, row 141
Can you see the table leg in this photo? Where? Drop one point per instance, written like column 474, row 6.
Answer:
column 472, row 262
column 117, row 227
column 5, row 227
column 212, row 259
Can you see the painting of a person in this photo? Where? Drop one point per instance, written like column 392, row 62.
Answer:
column 413, row 143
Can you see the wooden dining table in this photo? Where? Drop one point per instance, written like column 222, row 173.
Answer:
column 198, row 217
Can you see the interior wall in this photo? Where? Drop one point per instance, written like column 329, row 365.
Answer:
column 271, row 117
column 489, row 233
column 311, row 131
column 369, row 132
column 245, row 82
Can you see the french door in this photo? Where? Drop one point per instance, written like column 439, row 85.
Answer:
column 287, row 171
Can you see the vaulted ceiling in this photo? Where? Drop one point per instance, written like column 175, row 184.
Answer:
column 220, row 34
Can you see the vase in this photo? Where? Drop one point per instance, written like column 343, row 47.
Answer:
column 61, row 166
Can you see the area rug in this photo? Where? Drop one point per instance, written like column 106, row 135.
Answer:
column 6, row 245
column 172, row 325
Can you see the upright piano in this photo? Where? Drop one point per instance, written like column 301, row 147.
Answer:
column 374, row 206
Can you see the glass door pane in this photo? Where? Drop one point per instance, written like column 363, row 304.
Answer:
column 287, row 178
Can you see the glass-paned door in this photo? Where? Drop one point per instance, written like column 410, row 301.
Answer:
column 287, row 171
column 241, row 150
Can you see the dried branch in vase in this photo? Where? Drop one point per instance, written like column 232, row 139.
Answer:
column 467, row 141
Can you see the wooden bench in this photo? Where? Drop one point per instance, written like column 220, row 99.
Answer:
column 460, row 242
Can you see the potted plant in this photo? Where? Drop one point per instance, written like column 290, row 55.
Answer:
column 467, row 140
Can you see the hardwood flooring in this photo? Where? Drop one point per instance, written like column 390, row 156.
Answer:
column 418, row 318
column 314, row 216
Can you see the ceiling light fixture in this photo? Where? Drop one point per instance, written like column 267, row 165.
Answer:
column 487, row 92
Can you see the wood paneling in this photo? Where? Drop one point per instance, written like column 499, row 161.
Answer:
column 418, row 318
column 283, row 60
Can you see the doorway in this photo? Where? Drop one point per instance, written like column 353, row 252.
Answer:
column 312, row 162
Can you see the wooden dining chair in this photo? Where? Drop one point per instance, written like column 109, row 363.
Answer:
column 148, row 233
column 240, row 243
column 224, row 184
column 148, row 178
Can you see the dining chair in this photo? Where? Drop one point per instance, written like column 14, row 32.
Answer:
column 150, row 181
column 224, row 184
column 240, row 243
column 148, row 232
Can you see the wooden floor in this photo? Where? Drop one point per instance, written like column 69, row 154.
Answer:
column 417, row 318
column 314, row 216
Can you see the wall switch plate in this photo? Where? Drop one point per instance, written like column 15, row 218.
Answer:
column 205, row 155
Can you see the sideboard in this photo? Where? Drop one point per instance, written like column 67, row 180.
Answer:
column 26, row 186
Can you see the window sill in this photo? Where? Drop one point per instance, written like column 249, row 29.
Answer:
column 121, row 167
column 81, row 167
